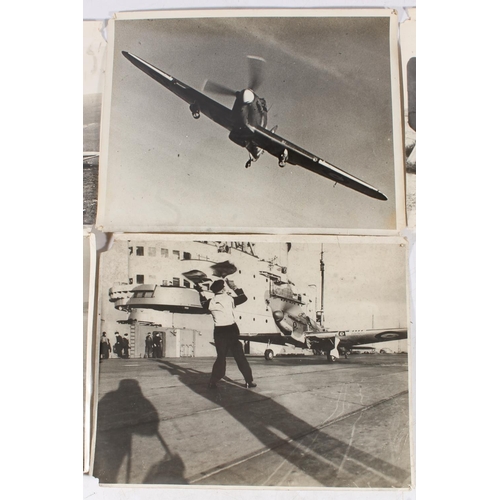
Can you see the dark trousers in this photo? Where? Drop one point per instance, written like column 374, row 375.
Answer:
column 226, row 339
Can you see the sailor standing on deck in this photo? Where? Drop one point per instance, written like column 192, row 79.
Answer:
column 105, row 346
column 125, row 346
column 118, row 347
column 148, row 346
column 226, row 331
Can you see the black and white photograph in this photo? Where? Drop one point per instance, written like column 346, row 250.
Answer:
column 253, row 121
column 274, row 362
column 89, row 360
column 94, row 51
column 409, row 78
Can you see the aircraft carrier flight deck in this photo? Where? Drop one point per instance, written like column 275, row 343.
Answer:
column 307, row 424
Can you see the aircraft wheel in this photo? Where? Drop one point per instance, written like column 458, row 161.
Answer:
column 330, row 358
column 283, row 158
column 269, row 354
column 248, row 164
column 196, row 115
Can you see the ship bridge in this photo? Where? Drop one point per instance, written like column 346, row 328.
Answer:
column 160, row 298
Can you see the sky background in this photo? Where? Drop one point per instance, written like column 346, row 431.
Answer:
column 365, row 281
column 94, row 50
column 327, row 84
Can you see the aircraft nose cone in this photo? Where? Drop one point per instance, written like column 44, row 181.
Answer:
column 278, row 316
column 248, row 96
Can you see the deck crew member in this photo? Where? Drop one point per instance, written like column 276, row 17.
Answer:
column 105, row 346
column 226, row 331
column 118, row 347
column 125, row 346
column 148, row 346
column 157, row 346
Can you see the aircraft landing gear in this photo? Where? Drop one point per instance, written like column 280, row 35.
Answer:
column 269, row 354
column 344, row 352
column 330, row 358
column 248, row 164
column 283, row 158
column 195, row 110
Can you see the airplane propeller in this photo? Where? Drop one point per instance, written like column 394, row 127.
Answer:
column 217, row 88
column 255, row 70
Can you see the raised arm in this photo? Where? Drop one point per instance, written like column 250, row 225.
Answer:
column 240, row 294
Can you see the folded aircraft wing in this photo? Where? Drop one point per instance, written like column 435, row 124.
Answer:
column 276, row 146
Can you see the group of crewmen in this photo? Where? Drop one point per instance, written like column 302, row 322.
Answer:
column 153, row 347
column 120, row 348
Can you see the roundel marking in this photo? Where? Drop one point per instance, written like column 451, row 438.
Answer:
column 388, row 336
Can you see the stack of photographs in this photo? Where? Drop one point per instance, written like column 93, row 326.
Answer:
column 251, row 321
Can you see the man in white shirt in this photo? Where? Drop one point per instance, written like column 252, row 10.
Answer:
column 226, row 331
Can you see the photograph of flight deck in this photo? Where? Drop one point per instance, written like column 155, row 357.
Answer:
column 248, row 121
column 272, row 362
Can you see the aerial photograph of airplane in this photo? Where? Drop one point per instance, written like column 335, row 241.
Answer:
column 247, row 122
column 189, row 103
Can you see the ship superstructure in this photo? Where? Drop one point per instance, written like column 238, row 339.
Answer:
column 157, row 295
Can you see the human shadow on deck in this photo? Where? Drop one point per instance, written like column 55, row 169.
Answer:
column 121, row 415
column 310, row 450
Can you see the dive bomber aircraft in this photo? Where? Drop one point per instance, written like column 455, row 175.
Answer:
column 247, row 122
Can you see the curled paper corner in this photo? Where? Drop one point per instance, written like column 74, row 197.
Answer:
column 104, row 241
column 104, row 30
column 403, row 15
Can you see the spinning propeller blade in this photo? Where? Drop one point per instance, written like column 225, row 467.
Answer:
column 217, row 88
column 256, row 71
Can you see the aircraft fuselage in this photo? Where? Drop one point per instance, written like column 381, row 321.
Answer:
column 249, row 110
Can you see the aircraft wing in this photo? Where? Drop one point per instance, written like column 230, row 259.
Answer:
column 356, row 337
column 276, row 339
column 276, row 145
column 212, row 109
column 324, row 340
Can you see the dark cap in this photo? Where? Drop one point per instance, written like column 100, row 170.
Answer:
column 217, row 286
